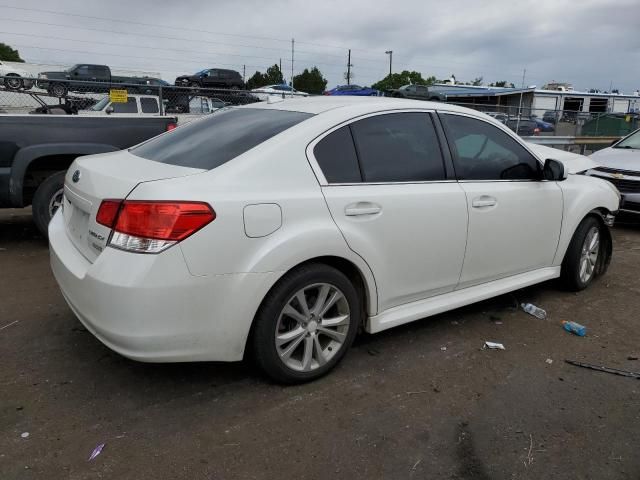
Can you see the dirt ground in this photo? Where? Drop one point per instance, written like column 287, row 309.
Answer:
column 419, row 401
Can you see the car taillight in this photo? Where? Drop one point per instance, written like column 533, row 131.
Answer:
column 171, row 126
column 107, row 212
column 152, row 226
column 536, row 131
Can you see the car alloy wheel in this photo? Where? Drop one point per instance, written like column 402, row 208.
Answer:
column 312, row 327
column 55, row 202
column 589, row 254
column 13, row 82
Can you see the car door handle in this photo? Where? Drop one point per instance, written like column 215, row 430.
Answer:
column 483, row 201
column 362, row 208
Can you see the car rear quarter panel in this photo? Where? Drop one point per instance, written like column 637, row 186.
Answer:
column 581, row 196
column 277, row 172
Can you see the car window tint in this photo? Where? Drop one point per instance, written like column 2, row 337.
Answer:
column 485, row 152
column 149, row 105
column 398, row 147
column 129, row 107
column 337, row 158
column 219, row 137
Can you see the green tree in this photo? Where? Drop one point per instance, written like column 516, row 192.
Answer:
column 9, row 54
column 397, row 80
column 502, row 83
column 310, row 81
column 256, row 80
column 477, row 82
column 274, row 75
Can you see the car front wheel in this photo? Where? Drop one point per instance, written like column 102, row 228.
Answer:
column 306, row 324
column 47, row 200
column 584, row 258
column 13, row 82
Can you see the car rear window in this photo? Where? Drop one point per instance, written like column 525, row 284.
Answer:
column 218, row 138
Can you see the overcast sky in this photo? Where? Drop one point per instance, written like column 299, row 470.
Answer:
column 592, row 44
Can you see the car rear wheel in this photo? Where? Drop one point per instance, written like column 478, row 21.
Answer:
column 58, row 90
column 582, row 262
column 47, row 200
column 13, row 82
column 306, row 324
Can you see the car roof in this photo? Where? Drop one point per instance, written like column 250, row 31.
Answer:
column 355, row 105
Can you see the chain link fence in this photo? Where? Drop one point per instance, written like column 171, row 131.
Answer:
column 564, row 123
column 20, row 95
column 151, row 96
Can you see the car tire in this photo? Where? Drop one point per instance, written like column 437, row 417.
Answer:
column 195, row 85
column 584, row 258
column 294, row 344
column 13, row 82
column 47, row 200
column 58, row 90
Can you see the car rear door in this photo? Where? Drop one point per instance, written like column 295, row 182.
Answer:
column 514, row 215
column 388, row 185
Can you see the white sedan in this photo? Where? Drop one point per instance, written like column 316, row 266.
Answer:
column 282, row 228
column 263, row 93
column 15, row 78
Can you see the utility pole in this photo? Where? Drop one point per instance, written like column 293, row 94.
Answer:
column 524, row 72
column 349, row 68
column 244, row 74
column 390, row 53
column 292, row 49
column 281, row 67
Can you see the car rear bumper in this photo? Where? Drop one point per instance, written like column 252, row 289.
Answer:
column 150, row 308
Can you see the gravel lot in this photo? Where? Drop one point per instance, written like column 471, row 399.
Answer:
column 420, row 401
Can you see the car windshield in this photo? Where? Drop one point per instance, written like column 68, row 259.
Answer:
column 632, row 141
column 100, row 105
column 201, row 71
column 218, row 138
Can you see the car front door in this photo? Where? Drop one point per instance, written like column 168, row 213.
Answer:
column 210, row 79
column 388, row 185
column 514, row 215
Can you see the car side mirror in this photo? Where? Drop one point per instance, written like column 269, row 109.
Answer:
column 554, row 170
column 109, row 110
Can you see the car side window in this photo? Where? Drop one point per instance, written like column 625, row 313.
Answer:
column 83, row 70
column 398, row 147
column 129, row 107
column 149, row 105
column 484, row 152
column 336, row 156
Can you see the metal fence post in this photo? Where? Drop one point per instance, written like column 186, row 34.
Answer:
column 160, row 104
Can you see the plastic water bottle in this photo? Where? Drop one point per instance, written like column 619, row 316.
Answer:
column 574, row 327
column 531, row 309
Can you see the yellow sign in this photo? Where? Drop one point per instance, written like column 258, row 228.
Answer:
column 118, row 96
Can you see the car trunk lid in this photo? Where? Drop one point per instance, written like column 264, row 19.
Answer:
column 92, row 179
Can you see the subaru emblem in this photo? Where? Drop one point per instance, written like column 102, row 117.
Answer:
column 76, row 176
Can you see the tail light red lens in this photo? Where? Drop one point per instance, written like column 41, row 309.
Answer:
column 152, row 226
column 172, row 221
column 171, row 126
column 107, row 212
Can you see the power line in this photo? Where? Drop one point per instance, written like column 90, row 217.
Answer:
column 131, row 22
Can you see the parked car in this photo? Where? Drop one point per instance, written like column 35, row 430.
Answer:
column 149, row 105
column 91, row 78
column 355, row 90
column 212, row 78
column 35, row 151
column 544, row 126
column 283, row 228
column 15, row 78
column 620, row 165
column 526, row 127
column 417, row 92
column 277, row 90
column 550, row 116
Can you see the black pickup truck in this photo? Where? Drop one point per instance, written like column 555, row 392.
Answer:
column 35, row 152
column 90, row 78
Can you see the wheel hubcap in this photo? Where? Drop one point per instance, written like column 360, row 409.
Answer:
column 312, row 327
column 13, row 82
column 589, row 254
column 55, row 202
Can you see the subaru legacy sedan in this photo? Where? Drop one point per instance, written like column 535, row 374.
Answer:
column 283, row 228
